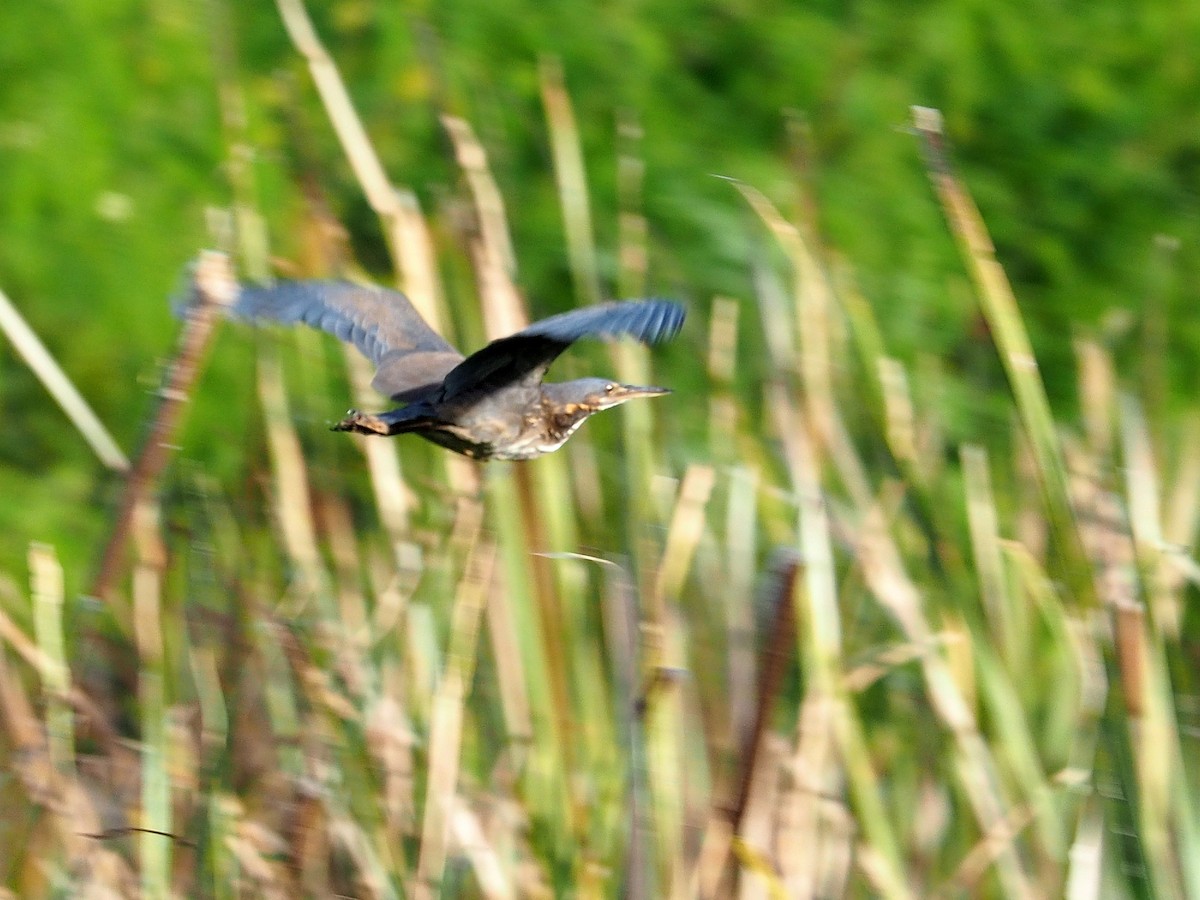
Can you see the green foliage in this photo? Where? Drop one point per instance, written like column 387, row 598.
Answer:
column 1072, row 124
column 303, row 669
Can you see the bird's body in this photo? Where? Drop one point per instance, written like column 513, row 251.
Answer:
column 490, row 405
column 512, row 423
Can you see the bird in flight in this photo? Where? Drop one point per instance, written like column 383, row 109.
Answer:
column 492, row 404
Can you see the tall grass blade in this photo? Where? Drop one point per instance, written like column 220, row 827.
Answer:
column 448, row 709
column 26, row 342
column 572, row 182
column 47, row 582
column 155, row 842
column 1012, row 341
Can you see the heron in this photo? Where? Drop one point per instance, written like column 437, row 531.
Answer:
column 493, row 404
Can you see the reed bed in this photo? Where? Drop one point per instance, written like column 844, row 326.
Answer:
column 820, row 654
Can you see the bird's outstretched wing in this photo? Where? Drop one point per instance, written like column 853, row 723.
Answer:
column 409, row 355
column 529, row 353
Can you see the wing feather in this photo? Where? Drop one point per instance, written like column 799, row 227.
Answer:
column 375, row 320
column 529, row 353
column 384, row 325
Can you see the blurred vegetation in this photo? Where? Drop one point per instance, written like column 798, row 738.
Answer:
column 1075, row 130
column 1075, row 124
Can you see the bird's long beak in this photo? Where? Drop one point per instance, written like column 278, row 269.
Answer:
column 629, row 391
column 624, row 392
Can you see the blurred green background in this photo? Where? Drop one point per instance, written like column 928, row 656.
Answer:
column 1075, row 125
column 991, row 686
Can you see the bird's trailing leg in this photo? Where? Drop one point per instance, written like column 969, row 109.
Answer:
column 396, row 421
column 362, row 423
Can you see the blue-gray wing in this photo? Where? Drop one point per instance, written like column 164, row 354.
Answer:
column 409, row 356
column 529, row 353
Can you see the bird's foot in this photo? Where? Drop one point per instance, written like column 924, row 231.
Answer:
column 362, row 423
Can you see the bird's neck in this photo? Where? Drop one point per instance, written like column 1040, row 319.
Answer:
column 562, row 419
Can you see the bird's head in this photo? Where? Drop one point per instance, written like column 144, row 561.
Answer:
column 590, row 395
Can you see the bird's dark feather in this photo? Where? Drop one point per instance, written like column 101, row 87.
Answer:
column 529, row 353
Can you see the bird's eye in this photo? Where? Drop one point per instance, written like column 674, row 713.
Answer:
column 609, row 388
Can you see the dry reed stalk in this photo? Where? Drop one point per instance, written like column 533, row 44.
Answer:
column 43, row 662
column 679, row 768
column 352, row 661
column 716, row 847
column 491, row 246
column 309, row 838
column 1097, row 397
column 376, row 869
column 821, row 641
column 1006, row 623
column 900, row 422
column 468, row 834
column 1182, row 520
column 388, row 204
column 1166, row 823
column 813, row 315
column 417, row 258
column 392, row 741
column 214, row 714
column 407, row 236
column 393, row 581
column 620, row 624
column 683, row 536
column 506, row 650
column 583, row 464
column 1083, row 678
column 1032, row 530
column 71, row 828
column 662, row 713
column 776, row 328
column 549, row 619
column 823, row 633
column 539, row 518
column 814, row 835
column 214, row 285
column 632, row 230
column 1145, row 520
column 155, row 842
column 885, row 575
column 46, row 579
column 292, row 500
column 336, row 525
column 632, row 360
column 26, row 342
column 448, row 709
column 983, row 855
column 878, row 665
column 1085, row 861
column 257, row 850
column 572, row 181
column 555, row 530
column 723, row 408
column 741, row 543
column 758, row 874
column 812, row 309
column 393, row 499
column 1003, row 695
